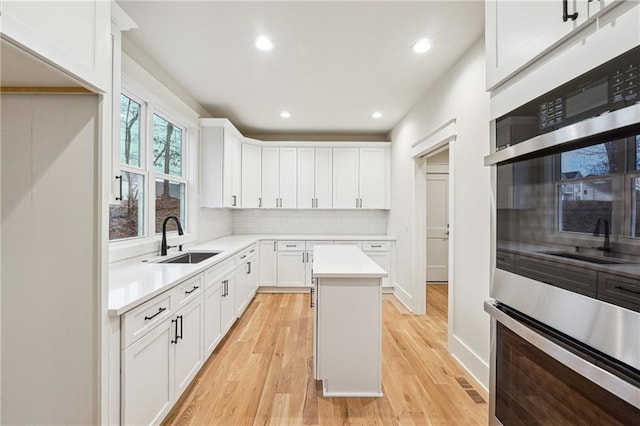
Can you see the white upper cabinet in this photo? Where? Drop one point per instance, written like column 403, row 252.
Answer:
column 361, row 178
column 73, row 36
column 519, row 32
column 315, row 178
column 251, row 176
column 345, row 178
column 220, row 163
column 373, row 178
column 279, row 176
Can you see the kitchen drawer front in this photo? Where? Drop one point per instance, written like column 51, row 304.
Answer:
column 291, row 246
column 144, row 318
column 576, row 279
column 212, row 275
column 505, row 260
column 621, row 291
column 312, row 244
column 349, row 243
column 188, row 290
column 376, row 246
column 246, row 254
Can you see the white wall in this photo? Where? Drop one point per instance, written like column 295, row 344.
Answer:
column 460, row 95
column 348, row 222
column 50, row 292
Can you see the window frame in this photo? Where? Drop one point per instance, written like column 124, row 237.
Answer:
column 152, row 104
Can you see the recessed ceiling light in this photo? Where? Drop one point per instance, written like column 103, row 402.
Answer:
column 422, row 45
column 285, row 114
column 263, row 43
column 376, row 114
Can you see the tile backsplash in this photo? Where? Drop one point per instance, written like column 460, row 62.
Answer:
column 357, row 222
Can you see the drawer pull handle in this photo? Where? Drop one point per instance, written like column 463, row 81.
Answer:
column 619, row 287
column 501, row 259
column 313, row 290
column 377, row 246
column 292, row 245
column 195, row 287
column 160, row 310
column 251, row 251
column 243, row 256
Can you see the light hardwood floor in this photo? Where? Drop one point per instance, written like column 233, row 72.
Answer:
column 261, row 373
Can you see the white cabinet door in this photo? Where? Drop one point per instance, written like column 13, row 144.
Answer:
column 518, row 32
column 268, row 263
column 212, row 325
column 323, row 178
column 251, row 176
column 373, row 178
column 242, row 283
column 288, row 177
column 306, row 178
column 220, row 164
column 383, row 260
column 74, row 36
column 147, row 377
column 189, row 349
column 270, row 177
column 291, row 268
column 345, row 178
column 227, row 306
column 236, row 172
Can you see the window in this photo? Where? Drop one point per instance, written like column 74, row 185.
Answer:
column 152, row 171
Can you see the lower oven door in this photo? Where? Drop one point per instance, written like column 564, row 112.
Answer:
column 538, row 378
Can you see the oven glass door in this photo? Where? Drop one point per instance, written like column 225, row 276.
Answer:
column 533, row 388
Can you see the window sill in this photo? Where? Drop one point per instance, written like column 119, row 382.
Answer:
column 139, row 247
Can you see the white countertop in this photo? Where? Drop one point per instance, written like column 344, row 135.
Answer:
column 134, row 282
column 344, row 262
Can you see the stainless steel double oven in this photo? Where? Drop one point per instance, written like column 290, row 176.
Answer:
column 565, row 313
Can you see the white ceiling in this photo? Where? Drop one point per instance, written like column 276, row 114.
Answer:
column 333, row 63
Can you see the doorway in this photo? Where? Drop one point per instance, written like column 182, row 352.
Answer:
column 437, row 220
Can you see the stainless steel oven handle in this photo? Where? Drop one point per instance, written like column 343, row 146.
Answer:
column 622, row 389
column 594, row 126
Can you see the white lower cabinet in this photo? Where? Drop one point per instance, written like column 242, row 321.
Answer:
column 158, row 367
column 227, row 303
column 291, row 268
column 383, row 260
column 147, row 379
column 268, row 263
column 212, row 318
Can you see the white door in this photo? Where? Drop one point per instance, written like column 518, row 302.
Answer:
column 212, row 326
column 437, row 227
column 324, row 178
column 268, row 263
column 373, row 178
column 288, row 177
column 189, row 348
column 270, row 177
column 251, row 176
column 345, row 178
column 306, row 178
column 147, row 379
column 291, row 268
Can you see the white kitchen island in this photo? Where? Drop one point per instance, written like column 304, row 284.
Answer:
column 347, row 340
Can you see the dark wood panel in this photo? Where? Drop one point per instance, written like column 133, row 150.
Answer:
column 621, row 291
column 573, row 278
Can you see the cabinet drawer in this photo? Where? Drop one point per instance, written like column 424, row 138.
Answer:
column 572, row 278
column 142, row 319
column 621, row 291
column 212, row 274
column 312, row 244
column 188, row 291
column 375, row 246
column 505, row 260
column 349, row 243
column 291, row 246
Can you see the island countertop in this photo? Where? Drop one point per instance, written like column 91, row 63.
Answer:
column 344, row 261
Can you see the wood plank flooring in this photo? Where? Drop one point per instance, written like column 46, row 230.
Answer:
column 261, row 374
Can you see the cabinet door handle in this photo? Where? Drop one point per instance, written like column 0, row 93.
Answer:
column 280, row 202
column 302, row 257
column 234, row 201
column 195, row 287
column 181, row 318
column 274, row 246
column 619, row 287
column 356, row 203
column 160, row 310
column 248, row 267
column 226, row 288
column 119, row 198
column 259, row 201
column 175, row 321
column 311, row 294
column 565, row 12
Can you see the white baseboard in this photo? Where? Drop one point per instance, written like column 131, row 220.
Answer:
column 402, row 295
column 273, row 289
column 470, row 361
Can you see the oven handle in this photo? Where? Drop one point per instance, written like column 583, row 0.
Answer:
column 624, row 390
column 605, row 123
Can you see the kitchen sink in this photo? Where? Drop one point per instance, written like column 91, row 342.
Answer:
column 590, row 259
column 191, row 257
